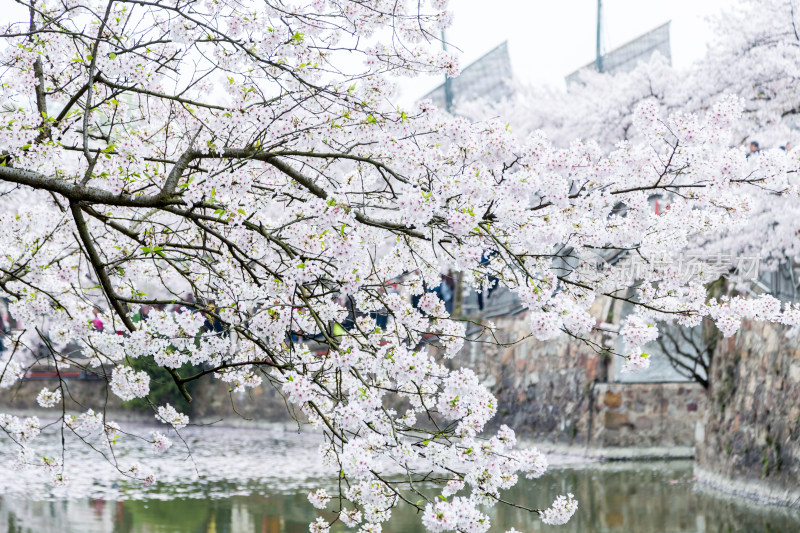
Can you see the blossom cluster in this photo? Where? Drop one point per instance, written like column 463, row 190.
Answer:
column 169, row 415
column 561, row 510
column 47, row 398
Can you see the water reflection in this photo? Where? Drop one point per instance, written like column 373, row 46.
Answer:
column 623, row 497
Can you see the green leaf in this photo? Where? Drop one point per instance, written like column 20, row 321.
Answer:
column 154, row 250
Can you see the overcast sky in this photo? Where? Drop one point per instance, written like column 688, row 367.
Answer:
column 549, row 39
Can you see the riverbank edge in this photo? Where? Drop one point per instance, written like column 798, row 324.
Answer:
column 621, row 453
column 750, row 489
column 568, row 453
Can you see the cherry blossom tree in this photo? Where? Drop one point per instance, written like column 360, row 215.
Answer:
column 753, row 53
column 231, row 185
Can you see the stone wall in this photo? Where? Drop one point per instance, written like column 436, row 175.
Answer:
column 646, row 414
column 542, row 388
column 212, row 402
column 555, row 392
column 750, row 441
column 80, row 395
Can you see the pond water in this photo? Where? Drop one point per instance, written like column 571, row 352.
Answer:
column 249, row 481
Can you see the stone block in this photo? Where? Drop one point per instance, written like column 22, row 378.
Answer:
column 532, row 378
column 699, row 432
column 643, row 422
column 612, row 400
column 615, row 420
column 794, row 372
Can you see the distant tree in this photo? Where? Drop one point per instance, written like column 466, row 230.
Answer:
column 690, row 351
column 753, row 44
